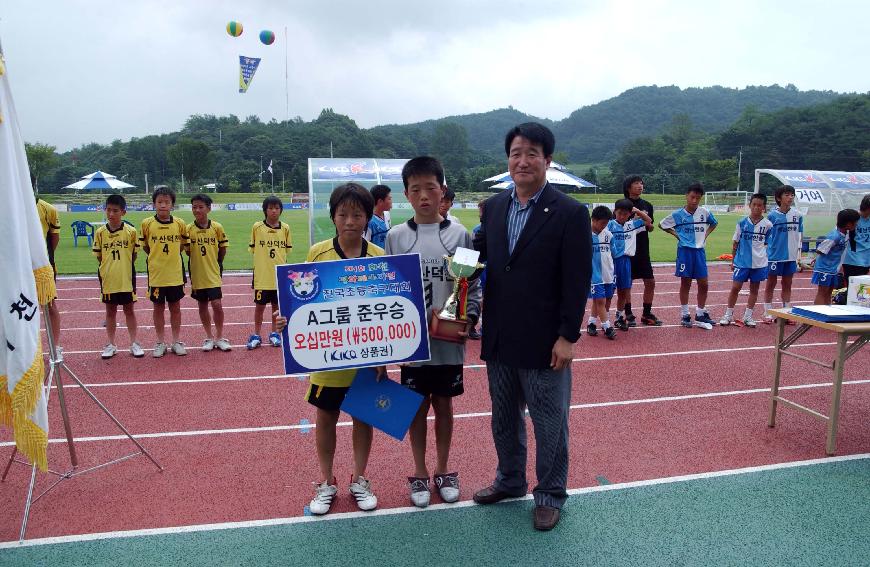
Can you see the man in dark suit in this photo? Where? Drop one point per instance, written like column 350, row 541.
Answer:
column 537, row 243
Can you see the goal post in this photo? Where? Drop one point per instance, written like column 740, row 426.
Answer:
column 724, row 201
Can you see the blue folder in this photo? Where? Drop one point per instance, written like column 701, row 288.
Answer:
column 384, row 405
column 834, row 313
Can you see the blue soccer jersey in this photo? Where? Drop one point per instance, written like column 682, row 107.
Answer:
column 751, row 239
column 602, row 258
column 625, row 236
column 376, row 232
column 861, row 255
column 784, row 243
column 829, row 256
column 691, row 228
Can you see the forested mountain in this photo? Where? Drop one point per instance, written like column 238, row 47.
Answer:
column 230, row 150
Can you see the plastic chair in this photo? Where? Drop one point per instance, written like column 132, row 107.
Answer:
column 83, row 229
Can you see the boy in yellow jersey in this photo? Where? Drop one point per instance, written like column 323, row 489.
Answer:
column 207, row 246
column 115, row 247
column 51, row 233
column 351, row 207
column 162, row 238
column 270, row 243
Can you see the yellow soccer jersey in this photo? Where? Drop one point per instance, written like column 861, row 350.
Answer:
column 269, row 246
column 115, row 249
column 163, row 242
column 205, row 271
column 47, row 217
column 323, row 252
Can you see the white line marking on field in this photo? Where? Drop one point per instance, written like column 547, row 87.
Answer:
column 414, row 510
column 591, row 405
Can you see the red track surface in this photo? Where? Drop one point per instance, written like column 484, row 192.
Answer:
column 218, row 476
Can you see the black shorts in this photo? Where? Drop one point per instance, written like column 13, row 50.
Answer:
column 121, row 298
column 443, row 380
column 207, row 294
column 170, row 293
column 265, row 296
column 641, row 268
column 850, row 270
column 327, row 398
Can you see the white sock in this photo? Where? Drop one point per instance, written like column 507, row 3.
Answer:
column 729, row 312
column 786, row 304
column 684, row 309
column 768, row 307
column 747, row 313
column 700, row 311
column 619, row 314
column 593, row 320
column 606, row 324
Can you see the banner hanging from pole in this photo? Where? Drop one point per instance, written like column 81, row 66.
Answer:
column 247, row 68
column 27, row 283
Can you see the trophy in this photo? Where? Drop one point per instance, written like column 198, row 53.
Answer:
column 447, row 323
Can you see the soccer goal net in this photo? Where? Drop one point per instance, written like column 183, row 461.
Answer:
column 725, row 201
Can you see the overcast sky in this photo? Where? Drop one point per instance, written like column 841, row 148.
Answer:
column 94, row 71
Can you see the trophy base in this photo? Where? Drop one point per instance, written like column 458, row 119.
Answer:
column 446, row 329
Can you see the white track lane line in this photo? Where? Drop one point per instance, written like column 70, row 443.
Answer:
column 414, row 510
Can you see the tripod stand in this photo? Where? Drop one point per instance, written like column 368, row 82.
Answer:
column 56, row 370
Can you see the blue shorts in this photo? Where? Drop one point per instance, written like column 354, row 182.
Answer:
column 622, row 272
column 784, row 268
column 751, row 274
column 691, row 263
column 826, row 279
column 601, row 291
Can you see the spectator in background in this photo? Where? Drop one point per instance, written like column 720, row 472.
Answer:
column 376, row 231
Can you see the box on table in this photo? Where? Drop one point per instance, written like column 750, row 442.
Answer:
column 859, row 291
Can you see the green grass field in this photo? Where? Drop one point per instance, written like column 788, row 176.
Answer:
column 80, row 260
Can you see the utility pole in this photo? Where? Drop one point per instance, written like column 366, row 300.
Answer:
column 739, row 164
column 261, row 174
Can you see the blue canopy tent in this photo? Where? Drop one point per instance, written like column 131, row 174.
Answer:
column 99, row 180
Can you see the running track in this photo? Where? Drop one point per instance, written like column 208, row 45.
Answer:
column 235, row 438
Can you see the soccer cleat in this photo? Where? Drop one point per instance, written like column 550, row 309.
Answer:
column 632, row 320
column 726, row 320
column 109, row 351
column 650, row 320
column 361, row 489
column 621, row 324
column 159, row 350
column 136, row 350
column 767, row 319
column 420, row 494
column 592, row 330
column 474, row 335
column 686, row 321
column 324, row 494
column 223, row 345
column 274, row 339
column 207, row 345
column 748, row 321
column 610, row 333
column 178, row 348
column 448, row 486
column 253, row 342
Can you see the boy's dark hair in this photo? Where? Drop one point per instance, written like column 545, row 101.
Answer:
column 535, row 133
column 206, row 200
column 422, row 165
column 865, row 203
column 847, row 216
column 355, row 194
column 781, row 190
column 272, row 200
column 117, row 200
column 163, row 190
column 601, row 212
column 626, row 183
column 624, row 205
column 380, row 192
column 449, row 194
column 695, row 187
column 760, row 196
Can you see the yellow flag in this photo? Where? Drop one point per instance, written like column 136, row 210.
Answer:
column 26, row 282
